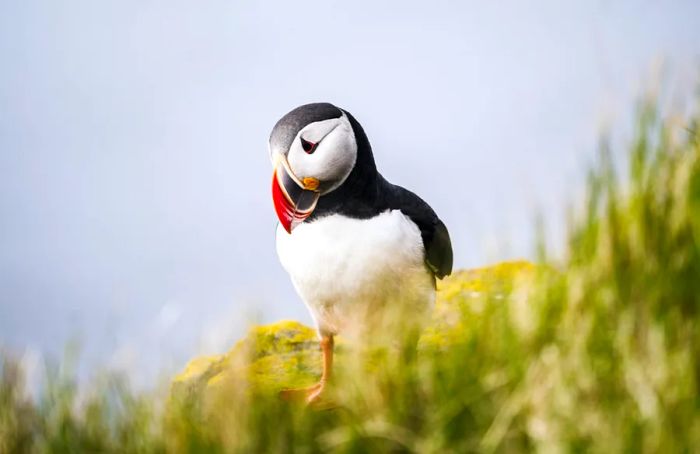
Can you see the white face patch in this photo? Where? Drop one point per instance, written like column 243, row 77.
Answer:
column 333, row 156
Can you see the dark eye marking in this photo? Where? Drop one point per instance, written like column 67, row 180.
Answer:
column 309, row 147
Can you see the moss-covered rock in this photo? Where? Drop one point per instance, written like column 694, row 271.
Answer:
column 286, row 354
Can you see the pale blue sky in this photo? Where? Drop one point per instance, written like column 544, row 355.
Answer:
column 135, row 211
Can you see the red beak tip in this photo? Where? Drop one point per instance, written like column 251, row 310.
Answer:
column 286, row 208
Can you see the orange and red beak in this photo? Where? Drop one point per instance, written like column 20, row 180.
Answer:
column 294, row 199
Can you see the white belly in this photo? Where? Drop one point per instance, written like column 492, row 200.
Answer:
column 349, row 271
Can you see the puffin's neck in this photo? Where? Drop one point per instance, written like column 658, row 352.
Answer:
column 358, row 194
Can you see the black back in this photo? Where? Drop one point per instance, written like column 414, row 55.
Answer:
column 365, row 194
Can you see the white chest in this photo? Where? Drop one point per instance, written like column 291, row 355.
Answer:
column 342, row 267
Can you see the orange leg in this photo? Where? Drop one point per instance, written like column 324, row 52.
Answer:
column 327, row 350
column 313, row 393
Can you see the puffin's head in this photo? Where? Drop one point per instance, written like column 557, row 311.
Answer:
column 313, row 150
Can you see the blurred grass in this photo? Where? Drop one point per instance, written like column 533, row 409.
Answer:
column 598, row 353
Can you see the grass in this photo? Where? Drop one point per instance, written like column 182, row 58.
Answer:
column 598, row 352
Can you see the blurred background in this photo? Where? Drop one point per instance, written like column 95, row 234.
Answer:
column 135, row 214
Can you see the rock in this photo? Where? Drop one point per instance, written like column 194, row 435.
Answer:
column 286, row 354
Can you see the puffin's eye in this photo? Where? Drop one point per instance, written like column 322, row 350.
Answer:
column 308, row 147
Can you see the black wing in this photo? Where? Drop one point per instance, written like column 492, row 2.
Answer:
column 438, row 248
column 436, row 239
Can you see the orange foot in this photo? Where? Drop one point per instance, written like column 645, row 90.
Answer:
column 308, row 394
column 312, row 394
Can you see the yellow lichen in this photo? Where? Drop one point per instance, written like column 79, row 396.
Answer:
column 286, row 353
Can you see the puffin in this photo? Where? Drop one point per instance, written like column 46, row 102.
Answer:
column 361, row 252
